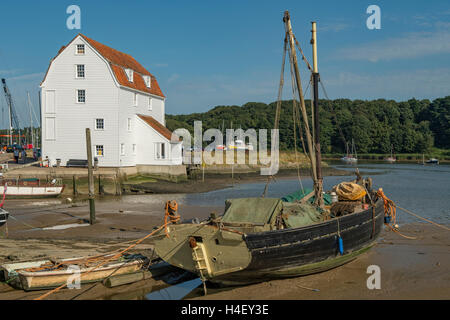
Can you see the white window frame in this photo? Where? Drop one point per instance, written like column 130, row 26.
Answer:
column 129, row 73
column 76, row 49
column 148, row 81
column 77, row 96
column 150, row 103
column 134, row 148
column 122, row 149
column 135, row 99
column 158, row 151
column 129, row 125
column 96, row 124
column 76, row 71
column 97, row 148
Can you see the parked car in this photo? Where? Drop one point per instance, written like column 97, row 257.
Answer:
column 12, row 147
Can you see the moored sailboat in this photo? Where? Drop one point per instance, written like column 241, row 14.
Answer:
column 257, row 239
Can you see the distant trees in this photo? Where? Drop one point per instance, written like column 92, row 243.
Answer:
column 412, row 126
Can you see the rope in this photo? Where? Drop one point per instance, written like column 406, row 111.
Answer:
column 278, row 107
column 170, row 214
column 105, row 261
column 422, row 218
column 389, row 206
column 333, row 112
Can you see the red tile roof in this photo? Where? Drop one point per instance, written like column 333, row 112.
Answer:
column 166, row 133
column 118, row 61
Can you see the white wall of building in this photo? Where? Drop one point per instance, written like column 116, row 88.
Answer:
column 65, row 120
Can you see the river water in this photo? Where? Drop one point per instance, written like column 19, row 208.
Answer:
column 424, row 190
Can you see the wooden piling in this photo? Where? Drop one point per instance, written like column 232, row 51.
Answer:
column 74, row 185
column 90, row 177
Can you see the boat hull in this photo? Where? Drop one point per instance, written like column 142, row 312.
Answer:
column 308, row 250
column 32, row 192
column 236, row 259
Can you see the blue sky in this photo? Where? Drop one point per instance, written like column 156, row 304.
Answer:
column 209, row 53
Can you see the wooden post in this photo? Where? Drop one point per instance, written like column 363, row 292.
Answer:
column 90, row 177
column 100, row 186
column 203, row 172
column 232, row 174
column 74, row 185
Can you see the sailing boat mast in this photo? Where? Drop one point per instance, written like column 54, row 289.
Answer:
column 315, row 74
column 293, row 59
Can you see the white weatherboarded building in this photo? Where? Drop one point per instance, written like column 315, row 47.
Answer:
column 90, row 85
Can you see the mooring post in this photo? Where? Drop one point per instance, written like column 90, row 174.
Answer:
column 90, row 177
column 100, row 186
column 74, row 185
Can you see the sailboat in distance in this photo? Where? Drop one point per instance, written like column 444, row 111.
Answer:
column 349, row 158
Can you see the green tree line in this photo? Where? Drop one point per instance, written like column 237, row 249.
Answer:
column 412, row 126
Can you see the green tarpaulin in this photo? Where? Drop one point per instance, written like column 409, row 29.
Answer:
column 251, row 210
column 298, row 195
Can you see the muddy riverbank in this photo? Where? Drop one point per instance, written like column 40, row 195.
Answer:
column 410, row 269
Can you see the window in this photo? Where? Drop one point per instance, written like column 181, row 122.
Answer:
column 50, row 128
column 147, row 81
column 134, row 148
column 160, row 150
column 80, row 70
column 150, row 103
column 99, row 124
column 81, row 96
column 129, row 73
column 80, row 48
column 129, row 124
column 99, row 150
column 122, row 149
column 135, row 99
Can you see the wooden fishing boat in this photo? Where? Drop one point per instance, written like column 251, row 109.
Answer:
column 46, row 274
column 30, row 188
column 257, row 239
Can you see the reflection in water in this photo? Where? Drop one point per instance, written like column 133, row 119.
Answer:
column 175, row 292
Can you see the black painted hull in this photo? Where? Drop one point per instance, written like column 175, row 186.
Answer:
column 310, row 249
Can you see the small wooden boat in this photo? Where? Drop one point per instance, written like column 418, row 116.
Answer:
column 30, row 188
column 3, row 216
column 46, row 274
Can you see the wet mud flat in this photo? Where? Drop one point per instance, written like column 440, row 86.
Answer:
column 215, row 181
column 409, row 269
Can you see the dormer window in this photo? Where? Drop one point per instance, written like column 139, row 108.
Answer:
column 147, row 81
column 129, row 73
column 80, row 48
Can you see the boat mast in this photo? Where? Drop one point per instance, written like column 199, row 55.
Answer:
column 31, row 120
column 319, row 185
column 288, row 27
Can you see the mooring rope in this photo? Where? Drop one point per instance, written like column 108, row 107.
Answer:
column 422, row 218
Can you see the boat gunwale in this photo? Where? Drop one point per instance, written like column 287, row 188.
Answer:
column 64, row 272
